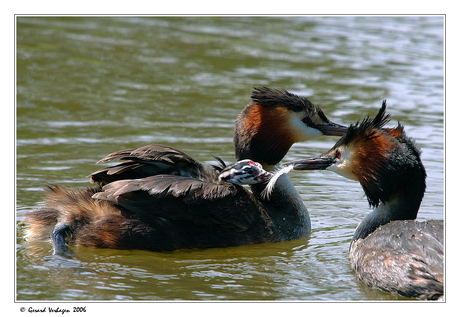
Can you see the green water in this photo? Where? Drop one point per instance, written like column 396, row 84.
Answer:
column 89, row 86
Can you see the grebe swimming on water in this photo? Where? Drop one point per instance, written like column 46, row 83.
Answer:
column 161, row 199
column 389, row 251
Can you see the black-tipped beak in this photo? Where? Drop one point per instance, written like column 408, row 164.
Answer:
column 332, row 128
column 317, row 163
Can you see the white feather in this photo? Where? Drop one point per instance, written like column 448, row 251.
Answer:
column 271, row 184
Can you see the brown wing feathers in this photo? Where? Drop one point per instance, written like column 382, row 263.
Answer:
column 147, row 161
column 183, row 198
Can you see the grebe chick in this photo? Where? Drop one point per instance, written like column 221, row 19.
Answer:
column 160, row 199
column 244, row 172
column 389, row 251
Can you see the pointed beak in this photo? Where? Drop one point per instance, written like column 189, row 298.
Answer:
column 332, row 128
column 317, row 163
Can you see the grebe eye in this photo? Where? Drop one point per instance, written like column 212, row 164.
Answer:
column 248, row 169
column 306, row 120
column 338, row 154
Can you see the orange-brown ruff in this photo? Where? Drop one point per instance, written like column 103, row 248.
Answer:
column 390, row 251
column 159, row 198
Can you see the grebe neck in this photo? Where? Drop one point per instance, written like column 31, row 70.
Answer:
column 402, row 205
column 285, row 207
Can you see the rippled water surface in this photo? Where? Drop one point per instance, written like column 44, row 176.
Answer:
column 89, row 86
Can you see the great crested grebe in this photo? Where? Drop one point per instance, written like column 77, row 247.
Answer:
column 244, row 172
column 389, row 251
column 160, row 199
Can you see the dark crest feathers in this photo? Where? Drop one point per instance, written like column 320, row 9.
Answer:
column 270, row 97
column 367, row 126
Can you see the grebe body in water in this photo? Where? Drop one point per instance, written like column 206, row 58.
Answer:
column 389, row 251
column 160, row 199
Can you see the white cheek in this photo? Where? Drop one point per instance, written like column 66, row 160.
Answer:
column 344, row 167
column 343, row 170
column 304, row 132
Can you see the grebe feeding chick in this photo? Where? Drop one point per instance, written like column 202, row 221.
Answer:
column 389, row 251
column 160, row 199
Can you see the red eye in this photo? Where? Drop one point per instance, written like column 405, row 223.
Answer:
column 338, row 154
